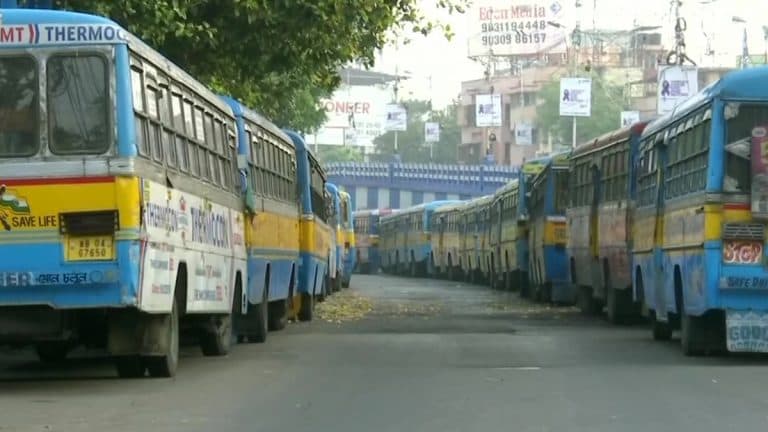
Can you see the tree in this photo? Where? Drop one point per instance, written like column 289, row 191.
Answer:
column 279, row 57
column 411, row 145
column 339, row 154
column 607, row 104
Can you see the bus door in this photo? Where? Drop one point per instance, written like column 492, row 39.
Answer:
column 660, row 293
column 441, row 239
column 594, row 231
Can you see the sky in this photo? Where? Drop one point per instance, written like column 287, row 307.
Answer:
column 446, row 62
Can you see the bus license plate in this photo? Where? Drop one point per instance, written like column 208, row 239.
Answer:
column 91, row 248
column 746, row 331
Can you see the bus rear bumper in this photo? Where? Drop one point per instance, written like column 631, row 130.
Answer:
column 37, row 275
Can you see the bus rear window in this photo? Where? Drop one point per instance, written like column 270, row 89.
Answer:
column 18, row 107
column 77, row 104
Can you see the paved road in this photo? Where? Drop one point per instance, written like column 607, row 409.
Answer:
column 430, row 356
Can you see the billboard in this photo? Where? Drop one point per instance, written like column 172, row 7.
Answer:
column 355, row 116
column 676, row 84
column 517, row 27
column 576, row 97
column 628, row 118
column 524, row 134
column 431, row 132
column 396, row 118
column 488, row 110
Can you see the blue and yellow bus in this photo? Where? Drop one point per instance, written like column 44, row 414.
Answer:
column 599, row 217
column 410, row 230
column 508, row 235
column 444, row 257
column 699, row 236
column 548, row 263
column 268, row 159
column 314, row 231
column 337, row 237
column 366, row 226
column 474, row 224
column 120, row 203
column 349, row 251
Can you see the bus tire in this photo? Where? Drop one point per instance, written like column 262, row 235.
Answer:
column 257, row 318
column 306, row 310
column 337, row 282
column 691, row 334
column 277, row 315
column 52, row 352
column 165, row 365
column 661, row 331
column 216, row 338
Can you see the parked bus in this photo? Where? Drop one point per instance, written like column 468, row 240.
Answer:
column 599, row 220
column 119, row 197
column 315, row 244
column 366, row 225
column 699, row 236
column 349, row 251
column 445, row 241
column 337, row 237
column 508, row 233
column 410, row 230
column 272, row 223
column 548, row 264
column 474, row 221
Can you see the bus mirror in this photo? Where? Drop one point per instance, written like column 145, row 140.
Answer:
column 242, row 162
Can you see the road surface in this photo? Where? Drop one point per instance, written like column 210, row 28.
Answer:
column 406, row 355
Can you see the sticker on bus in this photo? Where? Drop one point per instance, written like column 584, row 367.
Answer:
column 61, row 34
column 746, row 331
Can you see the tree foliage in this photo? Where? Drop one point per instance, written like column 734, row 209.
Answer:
column 328, row 154
column 280, row 56
column 411, row 145
column 607, row 104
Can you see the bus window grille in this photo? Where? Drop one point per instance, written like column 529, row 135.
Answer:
column 744, row 231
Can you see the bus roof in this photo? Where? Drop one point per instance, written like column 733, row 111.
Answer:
column 608, row 138
column 241, row 110
column 39, row 28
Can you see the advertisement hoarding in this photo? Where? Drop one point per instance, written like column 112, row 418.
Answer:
column 488, row 110
column 517, row 27
column 576, row 97
column 676, row 84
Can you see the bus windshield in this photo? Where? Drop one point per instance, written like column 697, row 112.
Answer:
column 18, row 107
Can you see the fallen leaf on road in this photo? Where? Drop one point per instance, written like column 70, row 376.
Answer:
column 344, row 306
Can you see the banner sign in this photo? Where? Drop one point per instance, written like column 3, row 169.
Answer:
column 431, row 132
column 488, row 110
column 628, row 118
column 676, row 84
column 576, row 97
column 517, row 27
column 524, row 134
column 397, row 118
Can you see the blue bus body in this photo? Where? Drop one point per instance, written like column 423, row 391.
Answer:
column 547, row 237
column 314, row 232
column 281, row 258
column 699, row 235
column 412, row 244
